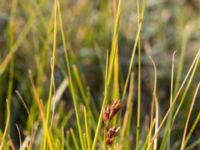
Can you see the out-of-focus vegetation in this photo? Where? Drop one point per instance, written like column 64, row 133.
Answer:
column 62, row 62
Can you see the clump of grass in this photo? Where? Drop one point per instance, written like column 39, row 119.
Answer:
column 78, row 124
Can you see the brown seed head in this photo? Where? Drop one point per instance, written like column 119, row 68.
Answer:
column 109, row 141
column 115, row 107
column 110, row 111
column 106, row 114
column 112, row 132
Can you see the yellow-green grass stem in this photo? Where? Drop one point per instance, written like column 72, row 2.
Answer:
column 86, row 129
column 191, row 146
column 134, row 49
column 6, row 126
column 167, row 131
column 71, row 86
column 52, row 73
column 186, row 90
column 188, row 116
column 11, row 41
column 86, row 99
column 41, row 109
column 74, row 139
column 192, row 128
column 103, row 106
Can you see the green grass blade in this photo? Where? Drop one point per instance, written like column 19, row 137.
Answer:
column 134, row 50
column 71, row 86
column 193, row 128
column 74, row 139
column 52, row 73
column 86, row 129
column 188, row 117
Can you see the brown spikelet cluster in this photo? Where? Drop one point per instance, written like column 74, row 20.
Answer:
column 110, row 136
column 109, row 112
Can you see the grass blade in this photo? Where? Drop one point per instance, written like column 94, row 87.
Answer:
column 188, row 117
column 71, row 86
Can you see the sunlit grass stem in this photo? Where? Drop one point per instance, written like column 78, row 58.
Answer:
column 188, row 116
column 52, row 72
column 71, row 86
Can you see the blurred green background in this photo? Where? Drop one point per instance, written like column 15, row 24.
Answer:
column 169, row 25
